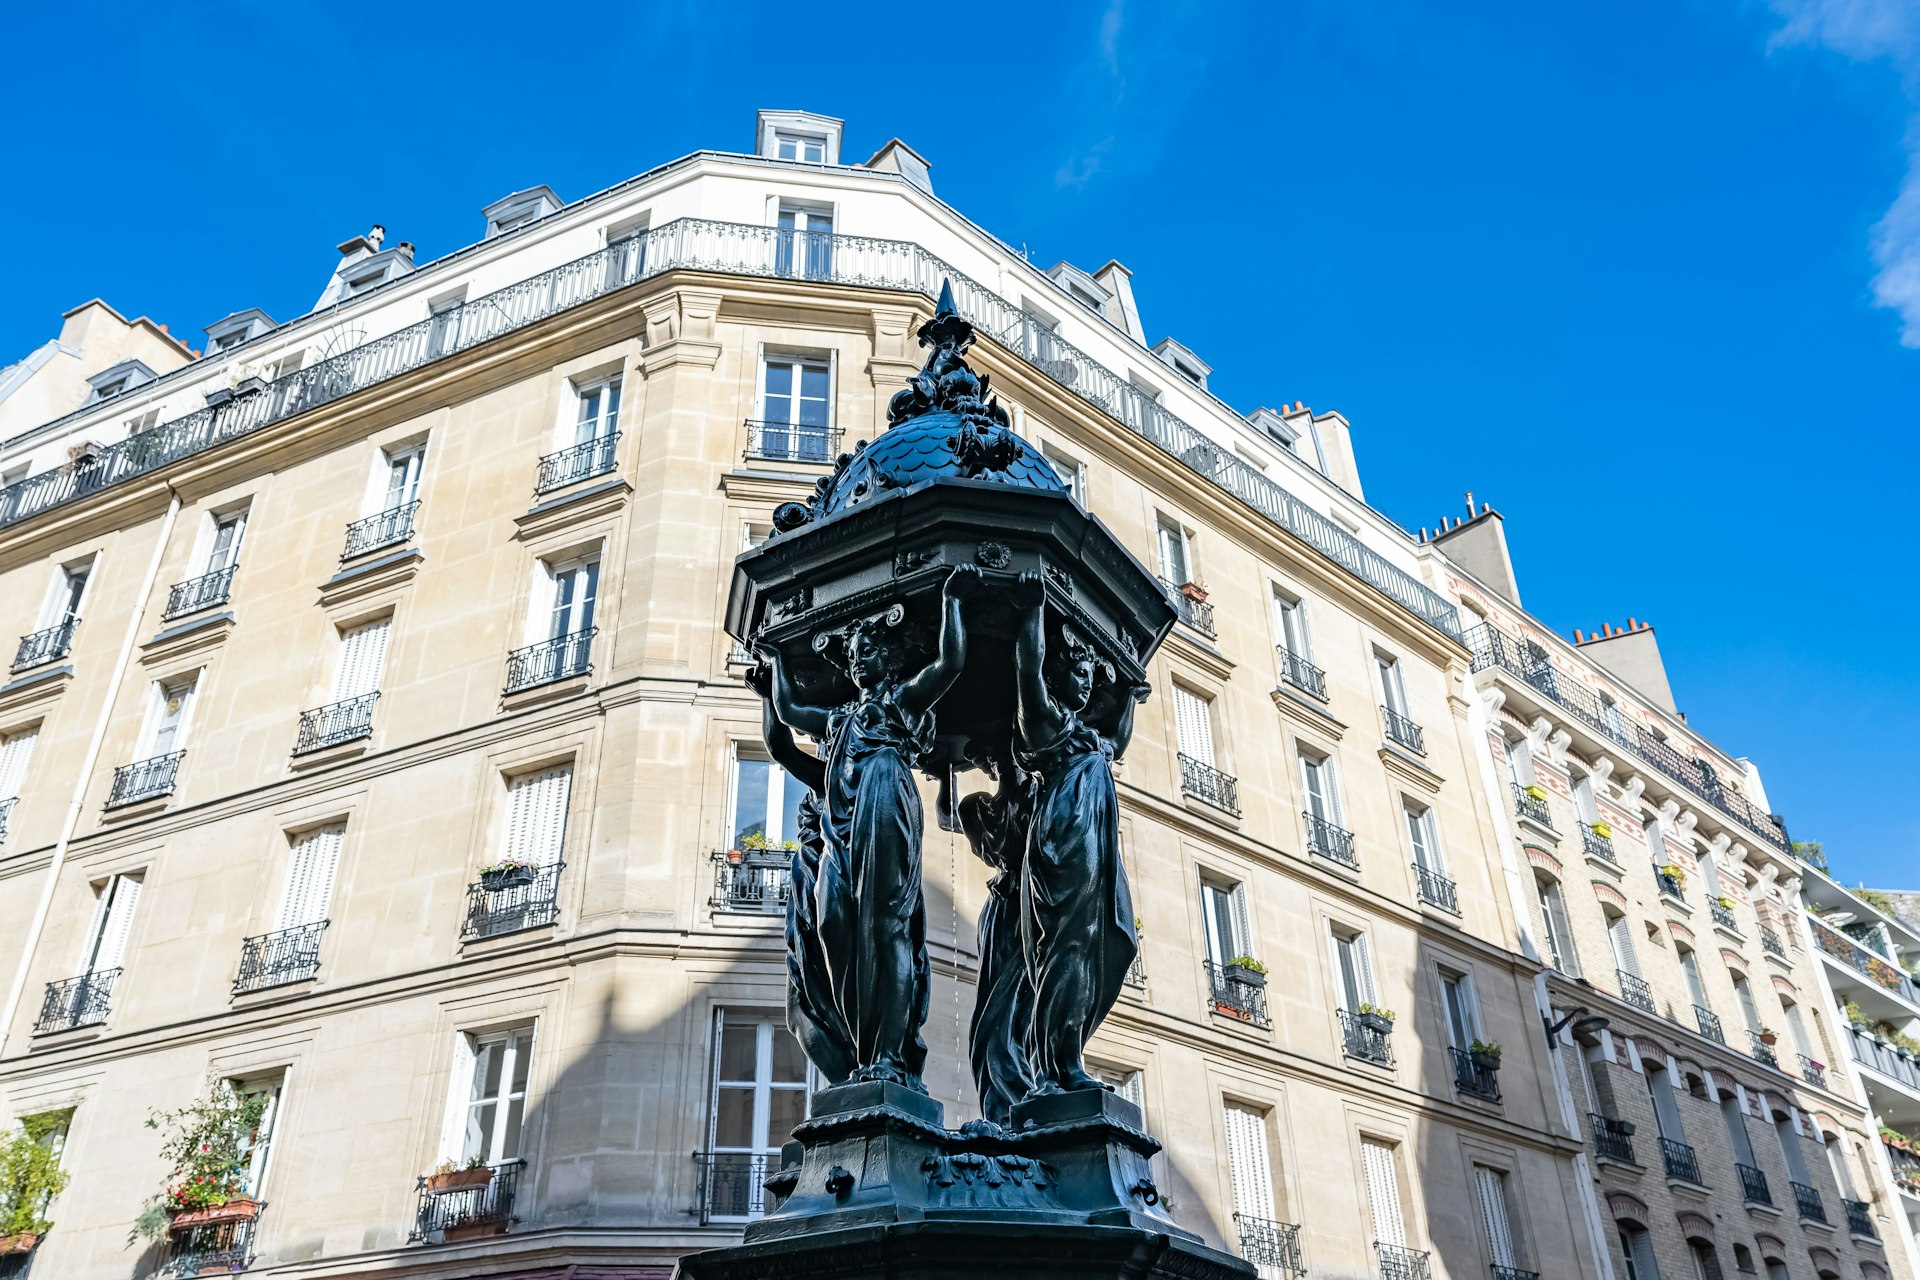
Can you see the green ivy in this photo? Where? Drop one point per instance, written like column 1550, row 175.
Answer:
column 30, row 1173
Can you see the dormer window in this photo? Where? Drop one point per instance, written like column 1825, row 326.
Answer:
column 118, row 380
column 360, row 284
column 226, row 340
column 1183, row 362
column 806, row 148
column 800, row 136
column 511, row 212
column 1084, row 296
column 108, row 390
column 241, row 326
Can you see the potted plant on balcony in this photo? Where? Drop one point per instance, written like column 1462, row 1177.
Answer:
column 207, row 1144
column 1247, row 970
column 1724, row 902
column 1485, row 1055
column 1535, row 792
column 30, row 1176
column 1195, row 591
column 1375, row 1019
column 447, row 1177
column 1602, row 829
column 1672, row 871
column 508, row 873
column 1768, row 1037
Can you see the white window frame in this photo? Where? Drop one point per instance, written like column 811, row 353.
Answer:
column 1170, row 541
column 150, row 745
column 345, row 689
column 801, row 143
column 63, row 600
column 1072, row 471
column 1193, row 725
column 113, row 915
column 1223, row 905
column 1461, row 983
column 16, row 757
column 1555, row 925
column 1494, row 1193
column 1393, row 684
column 1290, row 619
column 1313, row 764
column 780, row 784
column 1351, row 954
column 1423, row 836
column 259, row 1143
column 609, row 389
column 1380, row 1165
column 460, row 1094
column 550, row 578
column 767, row 1025
column 538, row 807
column 413, row 456
column 313, row 864
column 209, row 555
column 1626, row 956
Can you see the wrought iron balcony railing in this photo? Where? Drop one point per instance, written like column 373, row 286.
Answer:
column 1762, row 1051
column 1722, row 916
column 76, row 1002
column 485, row 1210
column 203, row 592
column 6, row 812
column 1610, row 1138
column 1709, row 1023
column 213, row 1248
column 1859, row 1221
column 1753, row 1184
column 752, row 879
column 337, row 722
column 1856, row 957
column 1235, row 996
column 1532, row 664
column 1472, row 1077
column 1400, row 1263
column 1634, row 990
column 146, row 779
column 1512, row 1273
column 1362, row 1040
column 42, row 647
column 532, row 902
column 1197, row 614
column 583, row 461
column 1301, row 674
column 737, row 249
column 1332, row 843
column 1814, row 1073
column 1436, row 890
column 1597, row 845
column 1771, row 944
column 1266, row 1243
column 1682, row 1164
column 1669, row 885
column 1806, row 1201
column 560, row 658
column 381, row 529
column 278, row 958
column 1403, row 731
column 1137, row 971
column 1531, row 807
column 1890, row 1060
column 791, row 441
column 1204, row 782
column 731, row 1187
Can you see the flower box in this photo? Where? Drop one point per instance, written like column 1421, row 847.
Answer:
column 1241, row 973
column 1536, row 793
column 1482, row 1059
column 218, row 397
column 440, row 1184
column 18, row 1242
column 474, row 1230
column 506, row 878
column 1601, row 829
column 239, row 1209
column 1769, row 1038
column 1194, row 591
column 1378, row 1023
column 250, row 386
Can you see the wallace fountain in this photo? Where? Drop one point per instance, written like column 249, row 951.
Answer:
column 941, row 604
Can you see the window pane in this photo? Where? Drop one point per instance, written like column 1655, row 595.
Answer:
column 737, row 1050
column 779, row 379
column 522, row 1057
column 510, row 1141
column 789, row 1063
column 733, row 1118
column 787, row 1108
column 750, row 816
column 479, row 1141
column 486, row 1071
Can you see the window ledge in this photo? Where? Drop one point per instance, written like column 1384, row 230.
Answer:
column 1613, row 869
column 1866, row 1242
column 588, row 502
column 124, row 813
column 1539, row 828
column 1691, row 1188
column 1731, row 934
column 1308, row 710
column 1814, row 1224
column 307, row 762
column 1765, row 1210
column 1409, row 769
column 197, row 634
column 549, row 691
column 370, row 576
column 1626, row 1167
column 1240, row 1026
column 34, row 691
column 280, row 990
column 1785, row 962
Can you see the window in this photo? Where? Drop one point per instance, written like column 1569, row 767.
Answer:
column 1224, row 908
column 314, row 859
column 1553, row 919
column 803, row 242
column 1666, row 1113
column 537, row 814
column 363, row 651
column 1706, row 1263
column 1291, row 614
column 491, row 1095
column 1737, row 1132
column 597, row 410
column 258, row 1144
column 1837, row 1161
column 1519, row 762
column 1656, row 840
column 1742, row 1258
column 759, row 1094
column 1490, row 1185
column 1424, row 836
column 1636, row 1247
column 1193, row 725
column 1084, row 296
column 1584, row 807
column 69, row 589
column 1612, row 718
column 1620, row 942
column 1127, row 1084
column 1393, row 686
column 1250, row 1167
column 1796, row 1027
column 626, row 253
column 1690, row 970
column 766, row 801
column 1175, row 568
column 1743, row 996
column 443, row 329
column 399, row 482
column 571, row 588
column 1383, row 1193
column 805, row 147
column 1352, row 970
column 1317, row 784
column 1463, row 1014
column 223, row 543
column 1072, row 472
column 112, row 921
column 166, row 727
column 16, row 749
column 108, row 390
column 796, row 404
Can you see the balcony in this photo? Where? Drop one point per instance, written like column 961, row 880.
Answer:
column 469, row 1213
column 791, row 441
column 731, row 1187
column 1335, row 844
column 1197, row 614
column 336, row 723
column 1271, row 1245
column 203, row 592
column 6, row 812
column 753, row 880
column 583, row 461
column 1634, row 990
column 218, row 1247
column 1814, row 1073
column 1512, row 1273
column 1722, row 917
column 1210, row 786
column 1302, row 675
column 1137, row 971
column 1761, row 1050
column 1807, row 1201
column 1479, row 1078
column 1890, row 1060
column 1771, row 944
column 1709, row 1023
column 278, row 958
column 1611, row 1138
column 76, row 1002
column 1534, row 668
column 1669, row 885
column 1436, row 890
column 1597, row 845
column 1859, row 1221
column 1238, row 995
column 1753, row 1185
column 42, row 647
column 382, row 529
column 513, row 903
column 560, row 658
column 1682, row 1164
column 1856, row 957
column 146, row 779
column 1402, row 731
column 1362, row 1038
column 1400, row 1263
column 1531, row 807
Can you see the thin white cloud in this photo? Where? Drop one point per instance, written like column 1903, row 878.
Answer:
column 1877, row 31
column 1143, row 68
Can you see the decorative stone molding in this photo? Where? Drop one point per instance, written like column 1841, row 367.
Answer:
column 1627, row 1208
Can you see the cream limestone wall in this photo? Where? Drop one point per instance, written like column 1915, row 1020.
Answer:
column 623, row 988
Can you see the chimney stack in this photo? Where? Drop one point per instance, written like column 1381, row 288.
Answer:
column 1479, row 545
column 1632, row 654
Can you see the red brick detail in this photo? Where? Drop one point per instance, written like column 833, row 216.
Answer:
column 1823, row 1259
column 1679, row 930
column 1541, row 858
column 1607, row 893
column 1650, row 1048
column 1625, row 1207
column 1774, row 1243
column 1695, row 1225
column 1734, row 960
column 1781, row 984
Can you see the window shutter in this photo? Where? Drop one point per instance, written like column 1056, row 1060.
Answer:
column 1242, row 927
column 1622, row 933
column 15, row 751
column 116, row 924
column 1492, row 1186
column 1133, row 1089
column 1363, row 969
column 310, row 871
column 459, row 1093
column 1193, row 724
column 363, row 651
column 537, row 821
column 1313, row 781
column 1248, row 1163
column 1383, row 1194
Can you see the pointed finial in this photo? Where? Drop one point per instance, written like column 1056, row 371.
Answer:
column 948, row 330
column 946, row 307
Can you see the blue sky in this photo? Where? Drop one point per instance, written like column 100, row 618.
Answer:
column 1645, row 275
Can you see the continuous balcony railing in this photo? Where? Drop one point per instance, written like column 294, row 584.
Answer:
column 1669, row 885
column 1301, row 674
column 1722, row 917
column 1471, row 1077
column 530, row 903
column 1682, row 1164
column 1530, row 806
column 1204, row 782
column 278, row 958
column 1597, row 845
column 1436, row 890
column 1761, row 1050
column 381, row 529
column 1857, row 957
column 337, row 722
column 146, row 779
column 1753, row 1184
column 1362, row 1041
column 475, row 1211
column 560, row 658
column 203, row 592
column 1532, row 664
column 213, row 1248
column 1236, row 997
column 1634, row 990
column 1806, row 1200
column 1403, row 731
column 583, row 461
column 791, row 441
column 1889, row 1060
column 1331, row 842
column 1859, row 1221
column 1814, row 1073
column 1268, row 1243
column 752, row 879
column 736, row 249
column 76, row 1002
column 1512, row 1273
column 1197, row 614
column 1771, row 944
column 42, row 647
column 6, row 812
column 1709, row 1023
column 1400, row 1263
column 731, row 1187
column 1610, row 1138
